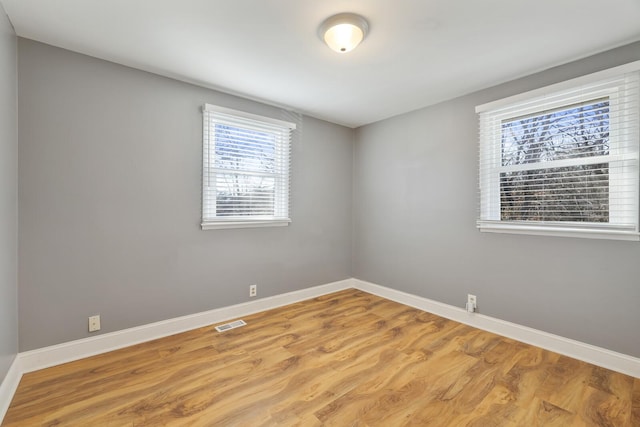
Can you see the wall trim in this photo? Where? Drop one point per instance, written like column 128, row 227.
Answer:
column 9, row 385
column 73, row 350
column 599, row 356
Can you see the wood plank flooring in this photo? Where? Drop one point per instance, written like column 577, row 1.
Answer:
column 345, row 359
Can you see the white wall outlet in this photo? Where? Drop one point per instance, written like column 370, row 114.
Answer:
column 253, row 290
column 94, row 323
column 472, row 303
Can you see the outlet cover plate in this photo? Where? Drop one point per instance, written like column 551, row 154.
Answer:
column 471, row 299
column 94, row 323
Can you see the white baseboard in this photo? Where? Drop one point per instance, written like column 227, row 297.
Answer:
column 67, row 352
column 9, row 385
column 599, row 356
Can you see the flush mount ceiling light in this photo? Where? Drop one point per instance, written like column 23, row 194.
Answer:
column 343, row 32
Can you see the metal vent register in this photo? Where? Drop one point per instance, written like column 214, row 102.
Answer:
column 231, row 325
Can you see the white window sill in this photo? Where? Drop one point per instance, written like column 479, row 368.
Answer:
column 215, row 225
column 559, row 231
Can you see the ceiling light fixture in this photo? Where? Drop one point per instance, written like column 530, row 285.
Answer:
column 343, row 32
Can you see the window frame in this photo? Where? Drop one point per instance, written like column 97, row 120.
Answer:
column 282, row 132
column 621, row 149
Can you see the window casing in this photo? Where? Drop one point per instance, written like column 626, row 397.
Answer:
column 563, row 160
column 246, row 166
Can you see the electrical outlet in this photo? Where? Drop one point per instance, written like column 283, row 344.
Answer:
column 253, row 290
column 94, row 323
column 472, row 303
column 471, row 299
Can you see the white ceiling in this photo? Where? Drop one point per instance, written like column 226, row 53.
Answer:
column 418, row 52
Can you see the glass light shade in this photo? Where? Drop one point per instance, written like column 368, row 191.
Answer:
column 343, row 37
column 343, row 32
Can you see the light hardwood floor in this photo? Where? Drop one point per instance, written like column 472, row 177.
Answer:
column 345, row 359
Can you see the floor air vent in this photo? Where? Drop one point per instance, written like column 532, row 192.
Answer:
column 232, row 325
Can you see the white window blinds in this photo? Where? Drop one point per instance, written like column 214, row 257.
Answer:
column 246, row 163
column 563, row 160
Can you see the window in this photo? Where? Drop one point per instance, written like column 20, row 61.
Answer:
column 563, row 160
column 245, row 179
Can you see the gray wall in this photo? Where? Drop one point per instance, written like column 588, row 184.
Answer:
column 109, row 168
column 110, row 193
column 415, row 204
column 8, row 195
